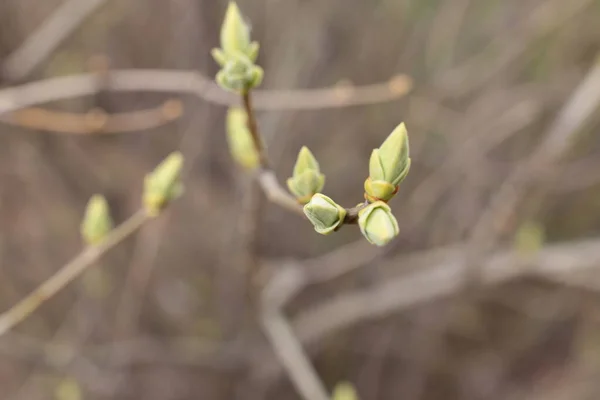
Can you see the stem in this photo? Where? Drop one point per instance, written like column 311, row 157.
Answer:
column 266, row 177
column 86, row 258
column 352, row 214
column 253, row 127
column 292, row 356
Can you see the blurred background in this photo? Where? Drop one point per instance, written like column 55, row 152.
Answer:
column 504, row 125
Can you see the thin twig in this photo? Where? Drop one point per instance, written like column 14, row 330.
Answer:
column 559, row 139
column 95, row 121
column 194, row 83
column 427, row 283
column 276, row 193
column 287, row 347
column 53, row 31
column 292, row 356
column 433, row 274
column 253, row 128
column 69, row 272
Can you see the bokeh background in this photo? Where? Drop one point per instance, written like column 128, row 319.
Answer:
column 166, row 315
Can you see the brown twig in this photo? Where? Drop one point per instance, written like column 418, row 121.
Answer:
column 266, row 177
column 194, row 83
column 69, row 272
column 433, row 274
column 253, row 128
column 95, row 121
column 292, row 356
column 278, row 330
column 50, row 34
column 556, row 262
column 575, row 112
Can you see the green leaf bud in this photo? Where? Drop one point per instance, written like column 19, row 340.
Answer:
column 239, row 74
column 379, row 190
column 239, row 139
column 307, row 178
column 163, row 184
column 235, row 33
column 97, row 222
column 324, row 213
column 252, row 52
column 344, row 391
column 388, row 166
column 219, row 56
column 377, row 223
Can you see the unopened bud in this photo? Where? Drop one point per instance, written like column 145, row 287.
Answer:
column 307, row 178
column 163, row 184
column 377, row 223
column 239, row 74
column 388, row 166
column 324, row 213
column 344, row 391
column 235, row 38
column 239, row 139
column 97, row 222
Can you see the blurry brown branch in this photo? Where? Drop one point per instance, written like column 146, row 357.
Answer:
column 427, row 276
column 287, row 347
column 266, row 177
column 52, row 32
column 432, row 280
column 95, row 121
column 576, row 111
column 276, row 193
column 292, row 276
column 194, row 83
column 70, row 271
column 291, row 354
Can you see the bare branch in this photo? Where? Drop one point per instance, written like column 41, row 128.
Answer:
column 292, row 356
column 69, row 272
column 95, row 121
column 578, row 108
column 194, row 83
column 558, row 262
column 41, row 43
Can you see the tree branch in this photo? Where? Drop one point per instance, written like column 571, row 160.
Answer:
column 428, row 276
column 53, row 31
column 556, row 262
column 579, row 107
column 194, row 83
column 292, row 356
column 69, row 272
column 95, row 121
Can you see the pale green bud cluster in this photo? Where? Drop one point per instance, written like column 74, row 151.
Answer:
column 324, row 213
column 307, row 178
column 388, row 166
column 377, row 223
column 344, row 391
column 239, row 139
column 97, row 222
column 163, row 184
column 238, row 54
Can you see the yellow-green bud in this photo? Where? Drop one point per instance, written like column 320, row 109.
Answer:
column 239, row 74
column 97, row 222
column 235, row 33
column 324, row 213
column 235, row 38
column 239, row 139
column 344, row 391
column 307, row 178
column 163, row 184
column 377, row 223
column 388, row 166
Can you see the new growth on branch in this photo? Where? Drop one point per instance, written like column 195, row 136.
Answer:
column 388, row 165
